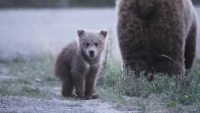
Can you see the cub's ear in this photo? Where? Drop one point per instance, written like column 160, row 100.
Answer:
column 104, row 32
column 80, row 32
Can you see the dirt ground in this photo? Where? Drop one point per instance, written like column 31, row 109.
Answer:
column 17, row 104
column 24, row 89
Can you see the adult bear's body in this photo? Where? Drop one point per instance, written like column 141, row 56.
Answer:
column 157, row 35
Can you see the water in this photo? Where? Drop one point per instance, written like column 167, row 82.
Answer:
column 30, row 32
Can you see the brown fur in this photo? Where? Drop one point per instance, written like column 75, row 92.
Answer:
column 157, row 35
column 79, row 64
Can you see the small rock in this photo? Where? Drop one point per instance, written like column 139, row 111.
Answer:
column 38, row 80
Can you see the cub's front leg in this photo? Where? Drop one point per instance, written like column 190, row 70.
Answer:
column 79, row 83
column 91, row 79
column 79, row 71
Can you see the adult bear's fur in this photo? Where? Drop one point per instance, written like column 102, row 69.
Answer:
column 157, row 35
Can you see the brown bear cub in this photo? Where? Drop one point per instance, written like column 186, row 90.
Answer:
column 79, row 63
column 157, row 35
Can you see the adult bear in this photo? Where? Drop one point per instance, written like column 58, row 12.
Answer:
column 157, row 35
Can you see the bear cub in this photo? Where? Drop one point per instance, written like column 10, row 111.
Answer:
column 79, row 64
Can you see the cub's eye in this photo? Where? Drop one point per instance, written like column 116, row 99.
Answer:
column 96, row 44
column 87, row 44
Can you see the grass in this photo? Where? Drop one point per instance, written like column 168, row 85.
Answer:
column 26, row 78
column 172, row 93
column 122, row 88
column 19, row 88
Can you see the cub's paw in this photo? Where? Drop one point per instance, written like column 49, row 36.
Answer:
column 91, row 97
column 95, row 96
column 87, row 98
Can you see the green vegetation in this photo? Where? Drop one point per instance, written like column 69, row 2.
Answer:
column 172, row 93
column 19, row 87
column 26, row 77
column 60, row 3
column 197, row 2
column 121, row 88
column 34, row 78
column 55, row 3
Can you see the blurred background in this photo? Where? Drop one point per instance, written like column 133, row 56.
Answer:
column 30, row 28
column 59, row 3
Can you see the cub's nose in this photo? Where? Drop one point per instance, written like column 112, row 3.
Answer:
column 91, row 52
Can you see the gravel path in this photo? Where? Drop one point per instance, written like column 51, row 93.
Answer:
column 30, row 105
column 24, row 104
column 53, row 101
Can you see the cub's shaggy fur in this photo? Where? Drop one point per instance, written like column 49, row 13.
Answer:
column 157, row 35
column 79, row 64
